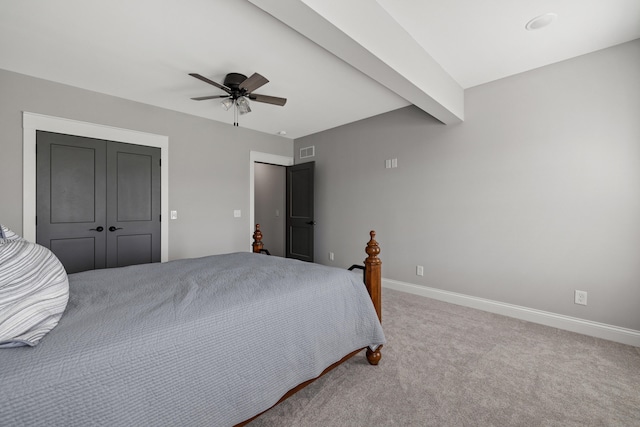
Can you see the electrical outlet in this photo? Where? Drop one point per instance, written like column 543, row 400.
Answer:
column 419, row 270
column 581, row 297
column 330, row 256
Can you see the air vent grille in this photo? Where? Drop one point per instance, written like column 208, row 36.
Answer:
column 307, row 152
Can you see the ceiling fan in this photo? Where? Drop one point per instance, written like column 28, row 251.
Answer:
column 239, row 90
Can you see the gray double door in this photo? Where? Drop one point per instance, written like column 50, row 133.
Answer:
column 98, row 202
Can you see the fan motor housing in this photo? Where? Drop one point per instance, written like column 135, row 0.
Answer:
column 233, row 80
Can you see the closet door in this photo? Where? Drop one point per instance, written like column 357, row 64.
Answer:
column 71, row 199
column 133, row 204
column 98, row 202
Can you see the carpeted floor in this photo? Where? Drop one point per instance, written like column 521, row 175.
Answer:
column 447, row 365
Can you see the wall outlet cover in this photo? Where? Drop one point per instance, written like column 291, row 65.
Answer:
column 580, row 297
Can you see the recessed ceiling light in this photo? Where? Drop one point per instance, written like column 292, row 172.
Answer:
column 541, row 21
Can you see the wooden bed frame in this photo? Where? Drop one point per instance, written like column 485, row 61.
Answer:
column 373, row 282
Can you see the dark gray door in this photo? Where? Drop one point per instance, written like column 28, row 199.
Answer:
column 98, row 202
column 133, row 204
column 71, row 199
column 300, row 219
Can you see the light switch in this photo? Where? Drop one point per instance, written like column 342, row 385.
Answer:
column 174, row 214
column 237, row 213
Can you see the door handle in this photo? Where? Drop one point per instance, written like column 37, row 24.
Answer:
column 311, row 223
column 98, row 229
column 112, row 228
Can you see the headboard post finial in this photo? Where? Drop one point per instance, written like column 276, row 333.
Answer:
column 257, row 240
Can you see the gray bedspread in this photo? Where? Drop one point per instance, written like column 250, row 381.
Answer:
column 200, row 342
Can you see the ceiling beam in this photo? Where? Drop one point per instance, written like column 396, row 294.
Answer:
column 364, row 35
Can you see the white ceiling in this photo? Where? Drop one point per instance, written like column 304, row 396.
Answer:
column 376, row 56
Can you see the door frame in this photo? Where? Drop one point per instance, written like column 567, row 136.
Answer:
column 257, row 156
column 32, row 122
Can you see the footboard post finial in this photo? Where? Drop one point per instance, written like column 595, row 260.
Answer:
column 257, row 240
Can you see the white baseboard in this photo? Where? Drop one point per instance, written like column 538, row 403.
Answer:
column 573, row 324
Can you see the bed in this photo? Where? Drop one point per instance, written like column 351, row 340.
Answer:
column 212, row 341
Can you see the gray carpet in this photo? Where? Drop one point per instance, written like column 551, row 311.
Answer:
column 447, row 365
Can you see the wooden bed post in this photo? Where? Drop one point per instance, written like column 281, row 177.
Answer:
column 373, row 282
column 257, row 240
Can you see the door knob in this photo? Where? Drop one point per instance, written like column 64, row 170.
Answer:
column 311, row 222
column 98, row 229
column 112, row 228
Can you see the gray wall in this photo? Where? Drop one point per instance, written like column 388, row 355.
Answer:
column 269, row 189
column 208, row 169
column 534, row 195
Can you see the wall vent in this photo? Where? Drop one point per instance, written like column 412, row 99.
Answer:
column 307, row 152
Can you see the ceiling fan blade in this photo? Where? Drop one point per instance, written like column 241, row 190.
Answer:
column 268, row 99
column 253, row 82
column 211, row 82
column 202, row 98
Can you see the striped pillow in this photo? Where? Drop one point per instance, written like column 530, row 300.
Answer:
column 6, row 233
column 34, row 290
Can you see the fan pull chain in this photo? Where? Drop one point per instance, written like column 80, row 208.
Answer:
column 235, row 113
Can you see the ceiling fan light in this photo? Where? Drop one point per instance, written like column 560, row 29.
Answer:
column 227, row 103
column 243, row 105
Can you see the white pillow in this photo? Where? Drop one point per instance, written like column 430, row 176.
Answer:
column 6, row 233
column 34, row 290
